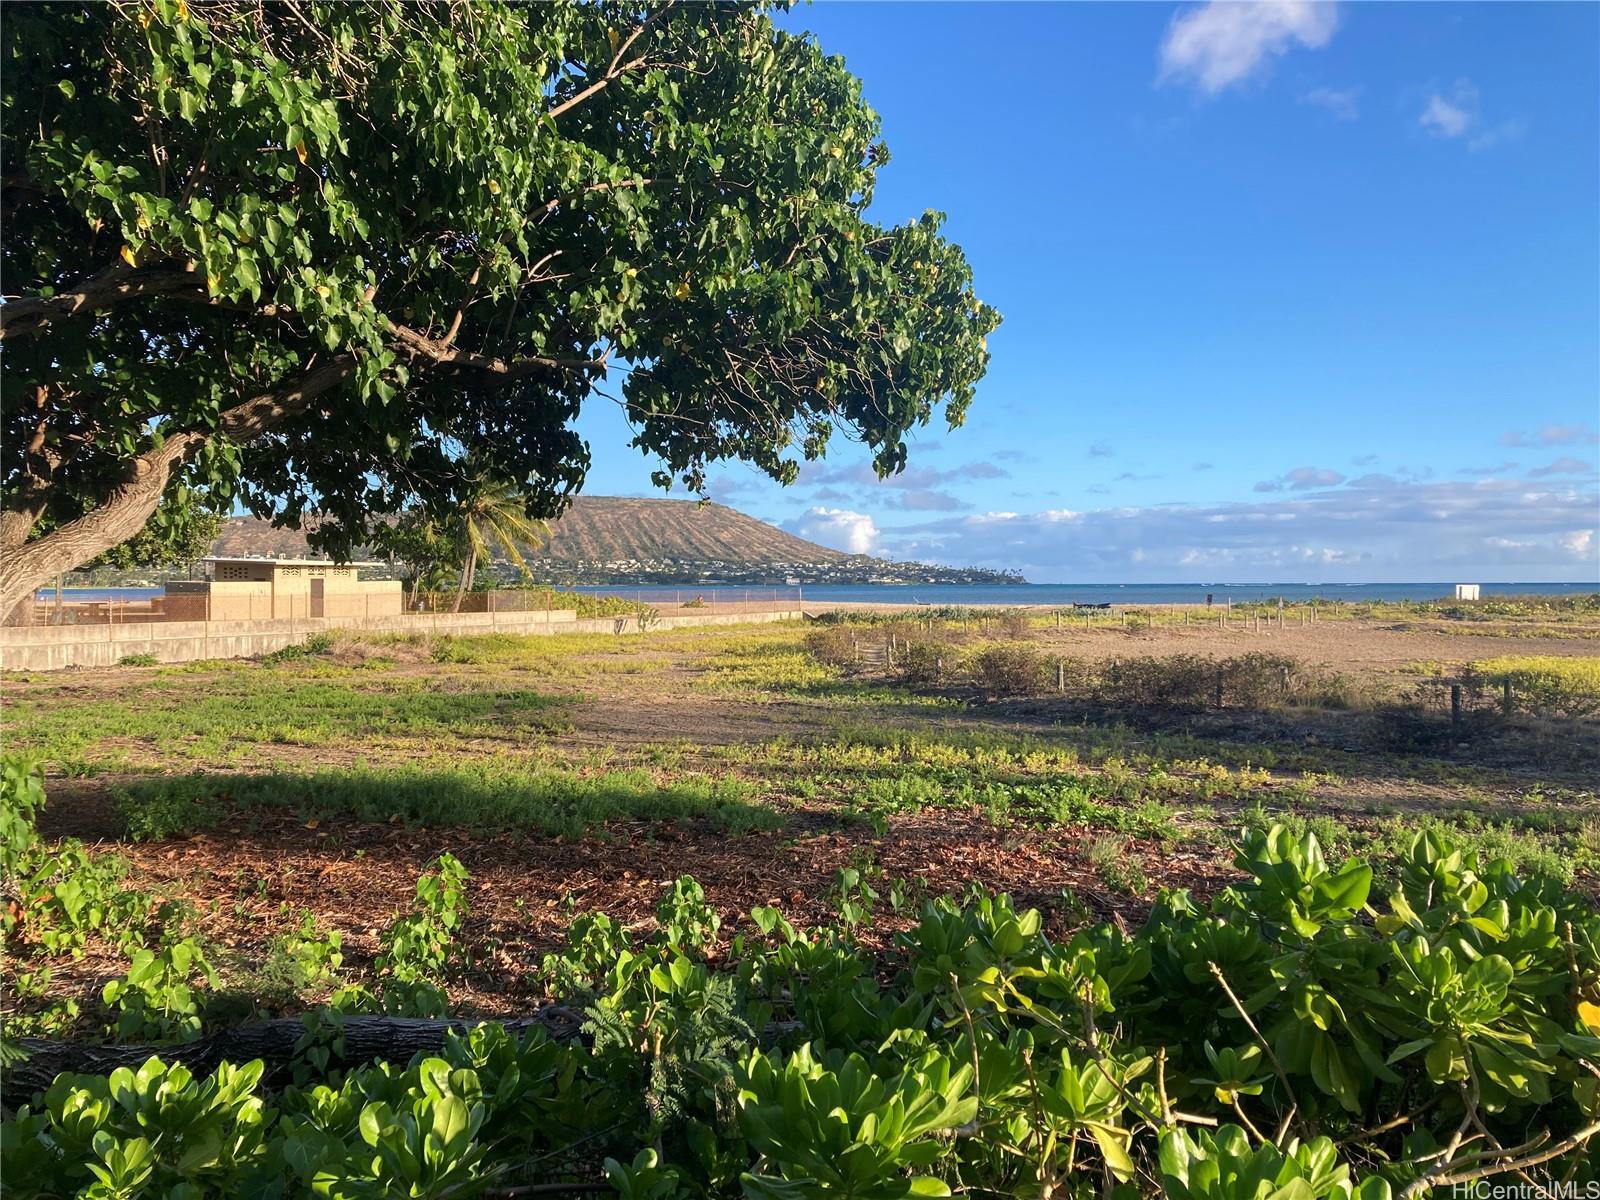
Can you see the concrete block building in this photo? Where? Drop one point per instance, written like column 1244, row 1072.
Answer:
column 263, row 589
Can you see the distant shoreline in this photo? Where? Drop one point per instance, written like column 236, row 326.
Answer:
column 1007, row 595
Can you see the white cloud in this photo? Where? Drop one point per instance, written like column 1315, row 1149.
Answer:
column 1373, row 528
column 1504, row 131
column 1301, row 479
column 1343, row 103
column 1566, row 435
column 1551, row 435
column 1451, row 116
column 915, row 489
column 838, row 528
column 1454, row 113
column 1563, row 466
column 1224, row 42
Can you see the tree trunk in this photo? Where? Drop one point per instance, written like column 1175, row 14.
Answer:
column 119, row 517
column 123, row 512
column 468, row 570
column 366, row 1039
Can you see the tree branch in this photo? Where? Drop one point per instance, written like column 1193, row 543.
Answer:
column 30, row 315
column 417, row 345
column 1454, row 1178
column 616, row 67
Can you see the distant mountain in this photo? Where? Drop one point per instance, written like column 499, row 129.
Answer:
column 614, row 539
column 605, row 529
column 614, row 528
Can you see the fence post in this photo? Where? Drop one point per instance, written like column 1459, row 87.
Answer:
column 1455, row 708
column 1219, row 687
column 1505, row 697
column 1061, row 676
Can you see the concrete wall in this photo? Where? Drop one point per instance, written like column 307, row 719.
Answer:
column 343, row 598
column 252, row 601
column 52, row 647
column 346, row 599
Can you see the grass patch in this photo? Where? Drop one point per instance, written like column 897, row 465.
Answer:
column 478, row 796
column 1547, row 683
column 198, row 718
column 781, row 667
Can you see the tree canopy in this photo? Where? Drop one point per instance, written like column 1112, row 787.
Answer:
column 301, row 255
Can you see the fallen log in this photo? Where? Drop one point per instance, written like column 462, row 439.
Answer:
column 366, row 1039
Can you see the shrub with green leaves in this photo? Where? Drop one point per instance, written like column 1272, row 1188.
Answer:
column 1009, row 670
column 687, row 921
column 1303, row 1035
column 154, row 1002
column 21, row 799
column 418, row 948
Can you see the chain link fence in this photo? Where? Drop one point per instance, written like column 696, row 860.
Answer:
column 185, row 601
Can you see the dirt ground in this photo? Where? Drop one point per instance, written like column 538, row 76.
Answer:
column 1343, row 645
column 628, row 703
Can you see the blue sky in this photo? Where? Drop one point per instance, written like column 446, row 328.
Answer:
column 1291, row 291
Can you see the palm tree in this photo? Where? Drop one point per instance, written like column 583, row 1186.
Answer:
column 493, row 515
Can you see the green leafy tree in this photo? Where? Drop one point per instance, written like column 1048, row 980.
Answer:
column 300, row 254
column 415, row 542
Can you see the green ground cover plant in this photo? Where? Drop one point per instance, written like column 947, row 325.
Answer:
column 1547, row 684
column 773, row 665
column 1575, row 616
column 1320, row 1029
column 200, row 719
column 485, row 795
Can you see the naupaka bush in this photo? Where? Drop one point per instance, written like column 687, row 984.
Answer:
column 1300, row 1035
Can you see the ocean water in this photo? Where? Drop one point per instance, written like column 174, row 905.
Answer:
column 1081, row 593
column 83, row 595
column 1020, row 593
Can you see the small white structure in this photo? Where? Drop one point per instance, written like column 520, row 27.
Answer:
column 1466, row 591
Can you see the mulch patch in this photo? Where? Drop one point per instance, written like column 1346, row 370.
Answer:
column 250, row 879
